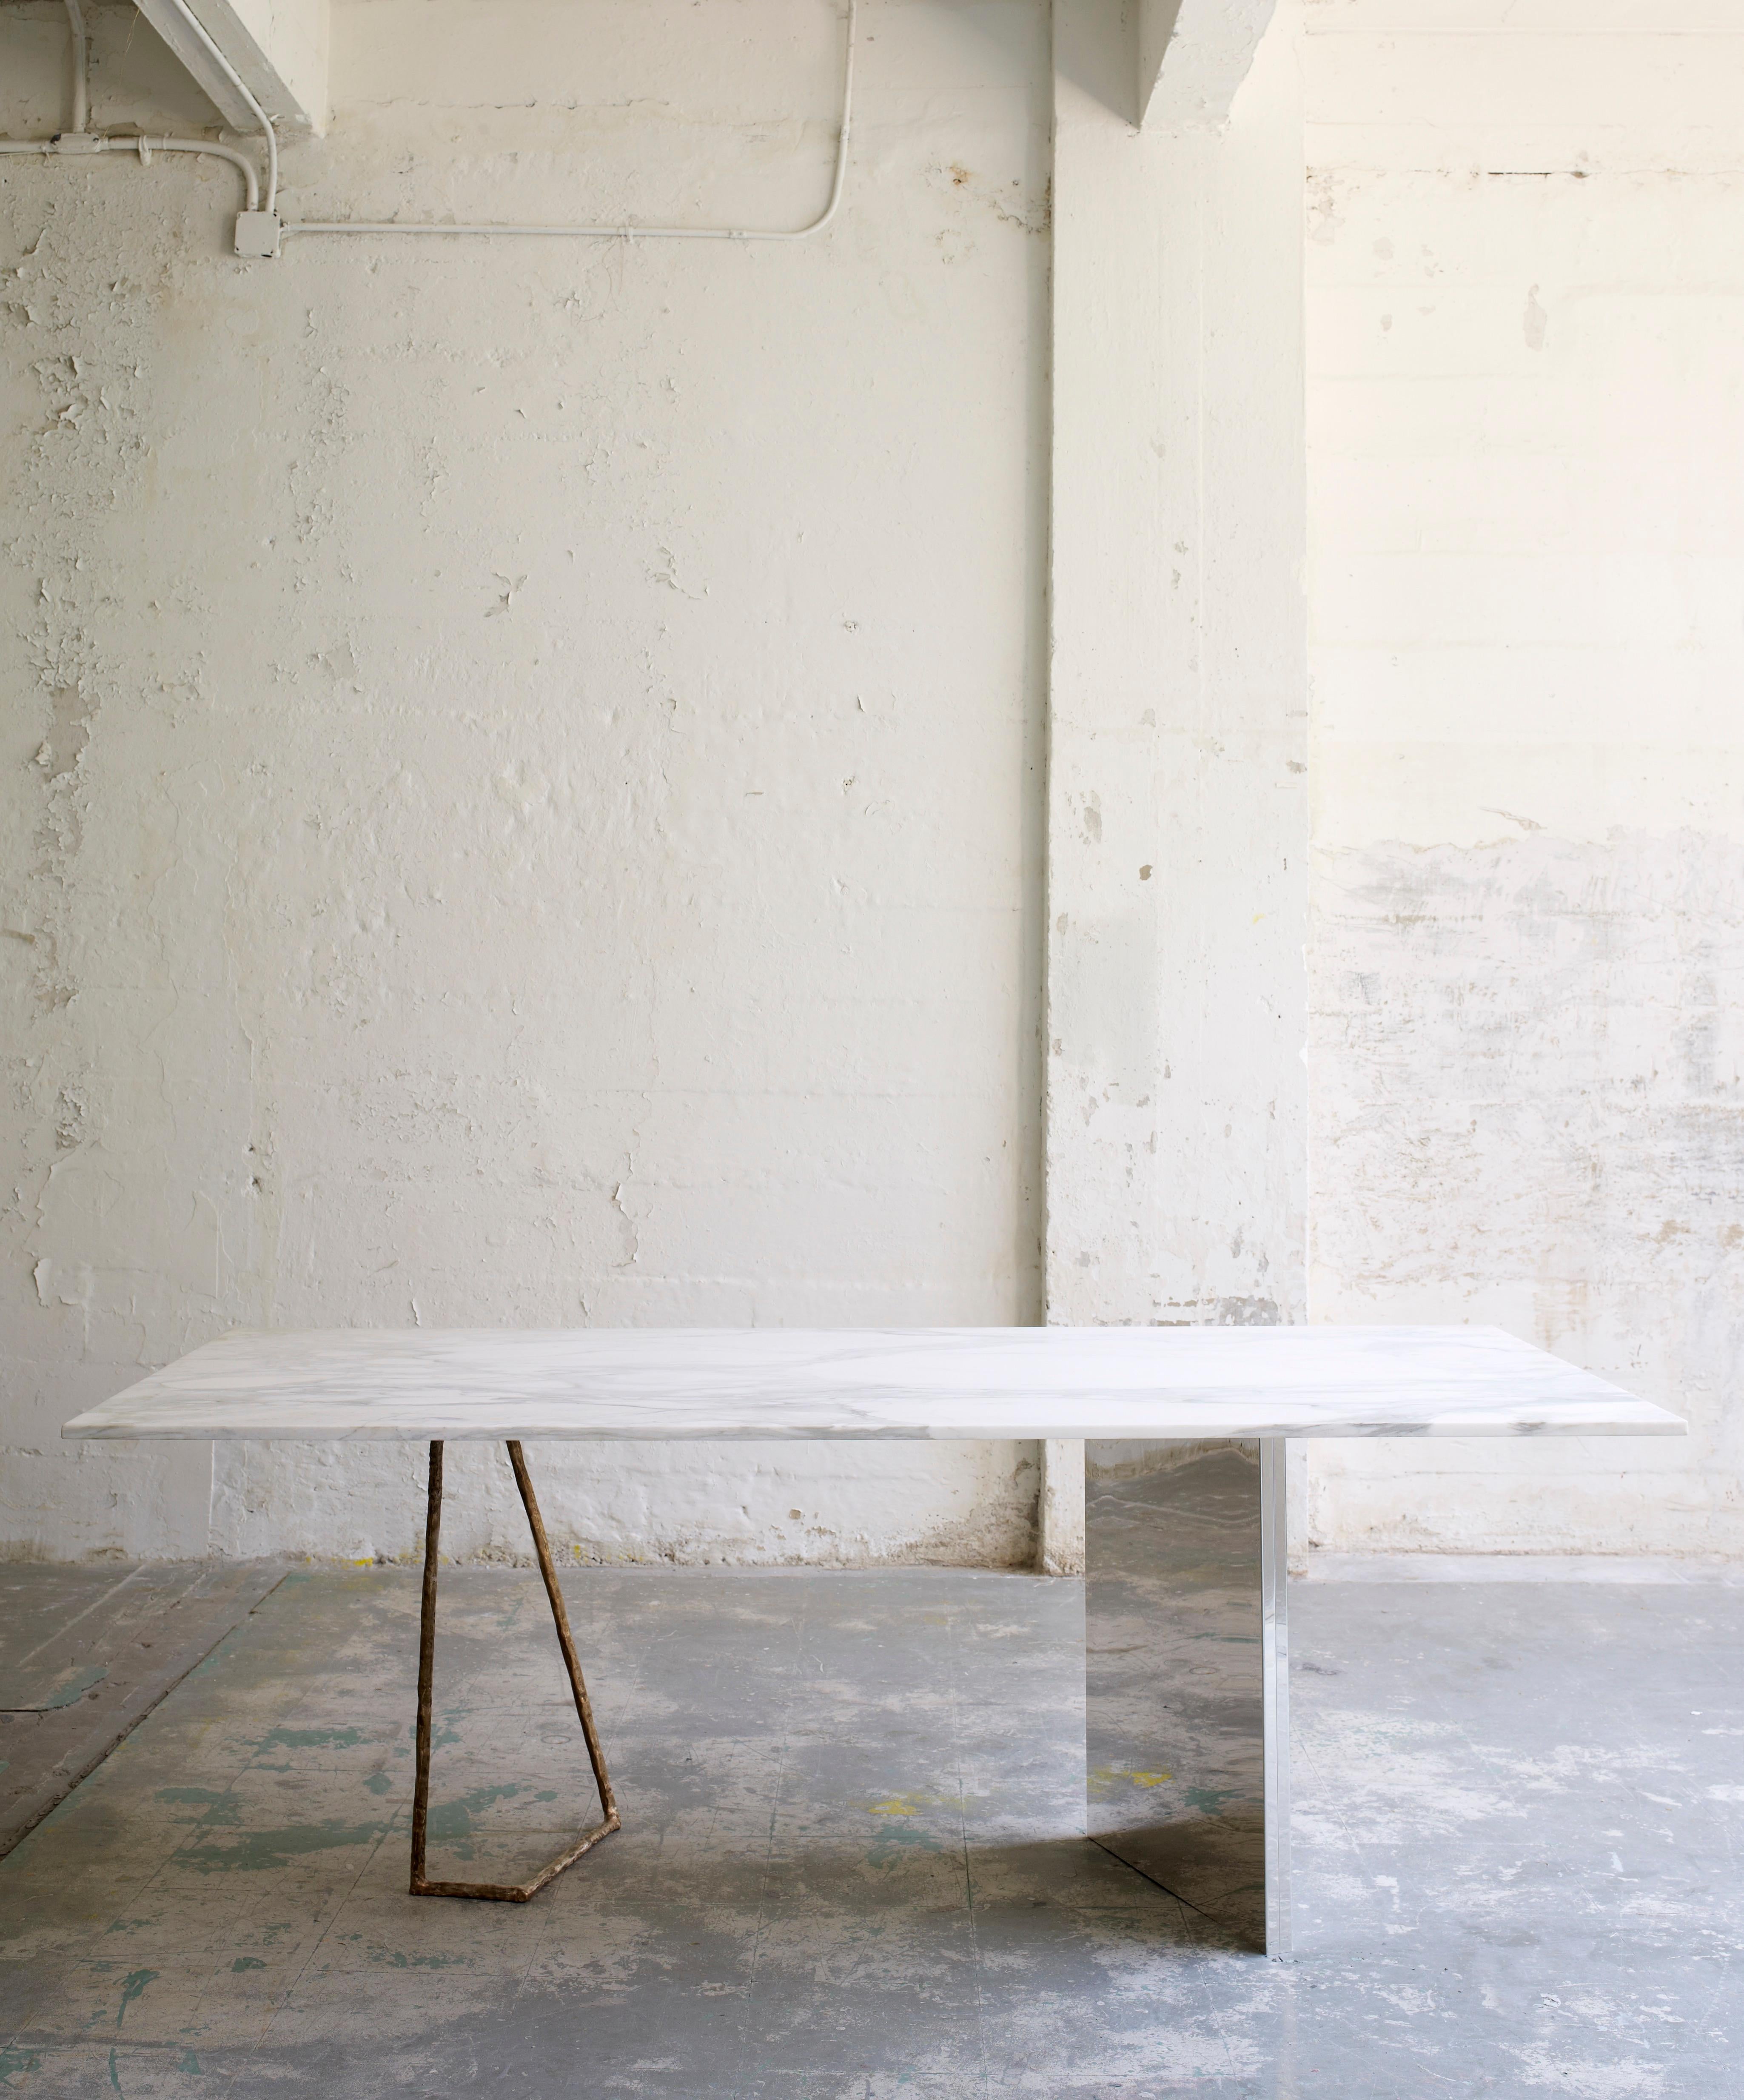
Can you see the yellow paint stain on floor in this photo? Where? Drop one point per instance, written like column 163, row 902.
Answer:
column 1103, row 1777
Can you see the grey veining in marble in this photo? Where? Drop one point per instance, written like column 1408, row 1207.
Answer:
column 927, row 1382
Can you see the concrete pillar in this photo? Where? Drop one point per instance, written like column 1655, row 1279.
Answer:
column 1062, row 1524
column 1177, row 805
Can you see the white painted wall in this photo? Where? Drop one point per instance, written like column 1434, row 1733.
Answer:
column 1178, row 810
column 1526, row 455
column 523, row 797
column 522, row 800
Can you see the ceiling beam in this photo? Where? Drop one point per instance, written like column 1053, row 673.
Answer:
column 1193, row 55
column 278, row 47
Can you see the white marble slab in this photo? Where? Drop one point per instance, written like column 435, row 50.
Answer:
column 762, row 1382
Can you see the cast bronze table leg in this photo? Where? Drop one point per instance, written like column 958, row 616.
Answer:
column 494, row 1891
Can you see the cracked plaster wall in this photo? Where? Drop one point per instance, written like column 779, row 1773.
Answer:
column 1526, row 436
column 522, row 784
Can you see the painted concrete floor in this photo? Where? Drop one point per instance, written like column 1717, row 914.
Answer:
column 86, row 1653
column 848, row 1871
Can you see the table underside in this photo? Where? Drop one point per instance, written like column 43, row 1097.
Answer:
column 1187, row 1680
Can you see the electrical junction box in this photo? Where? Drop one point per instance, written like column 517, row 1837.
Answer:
column 257, row 235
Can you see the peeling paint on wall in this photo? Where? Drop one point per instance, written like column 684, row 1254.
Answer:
column 522, row 780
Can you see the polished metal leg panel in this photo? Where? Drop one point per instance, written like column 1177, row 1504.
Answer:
column 497, row 1891
column 1187, row 1669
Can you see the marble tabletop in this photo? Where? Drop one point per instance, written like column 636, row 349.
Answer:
column 766, row 1383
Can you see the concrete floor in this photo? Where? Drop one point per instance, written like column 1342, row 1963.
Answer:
column 86, row 1653
column 848, row 1871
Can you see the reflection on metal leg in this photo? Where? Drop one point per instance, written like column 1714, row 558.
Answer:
column 1187, row 1674
column 1274, row 1666
column 497, row 1891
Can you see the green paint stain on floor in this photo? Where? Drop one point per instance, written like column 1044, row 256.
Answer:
column 895, row 1843
column 310, row 1739
column 133, row 1989
column 245, row 1961
column 1212, row 1800
column 191, row 2064
column 379, row 1783
column 221, row 1810
column 15, row 2064
column 262, row 1851
column 454, row 1818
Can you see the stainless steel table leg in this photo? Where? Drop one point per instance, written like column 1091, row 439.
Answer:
column 1187, row 1674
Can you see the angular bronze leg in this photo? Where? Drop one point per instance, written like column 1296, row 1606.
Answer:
column 493, row 1891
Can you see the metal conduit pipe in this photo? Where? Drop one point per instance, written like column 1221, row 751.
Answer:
column 626, row 232
column 81, row 65
column 78, row 142
column 247, row 93
column 143, row 147
column 258, row 230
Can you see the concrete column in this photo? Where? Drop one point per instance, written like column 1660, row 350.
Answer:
column 1177, row 810
column 1061, row 1521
